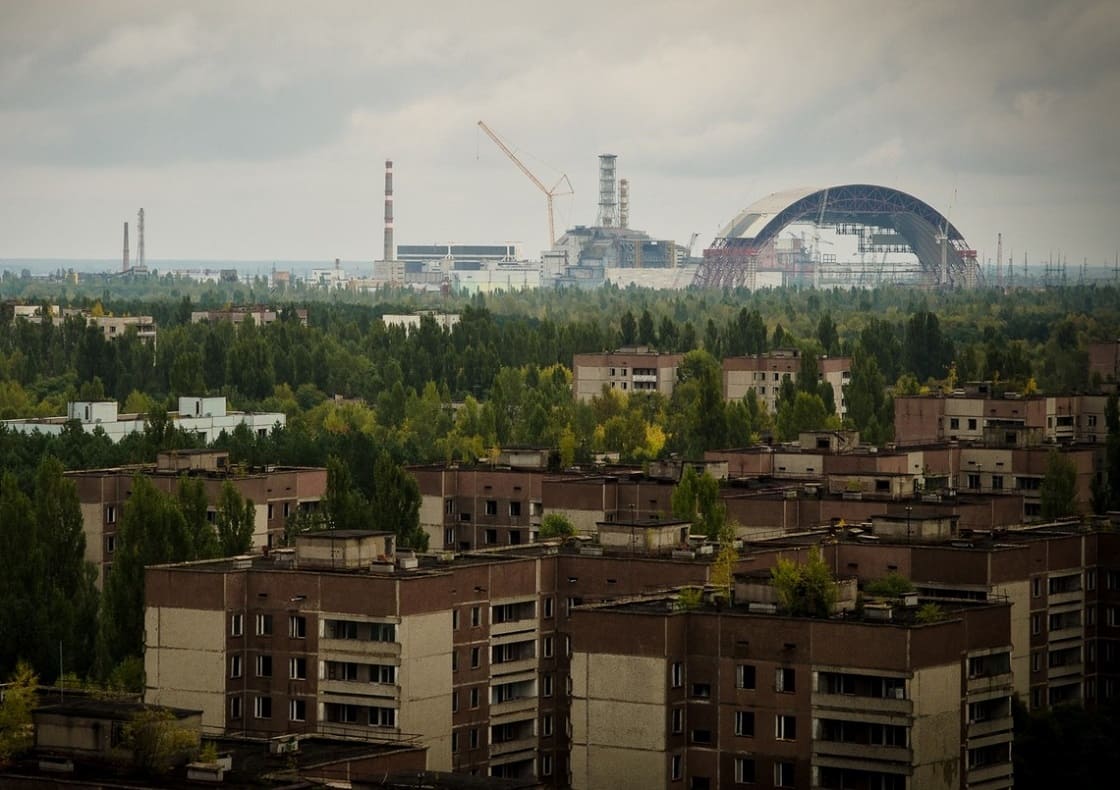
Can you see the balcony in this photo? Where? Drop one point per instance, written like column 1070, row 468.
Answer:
column 1072, row 632
column 517, row 705
column 1060, row 598
column 983, row 684
column 330, row 648
column 513, row 627
column 637, row 377
column 512, row 747
column 357, row 688
column 504, row 668
column 1065, row 670
column 862, row 753
column 860, row 704
column 982, row 729
column 996, row 772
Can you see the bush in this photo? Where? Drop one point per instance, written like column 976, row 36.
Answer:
column 893, row 585
column 555, row 525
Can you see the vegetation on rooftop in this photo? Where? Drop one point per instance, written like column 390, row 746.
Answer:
column 805, row 589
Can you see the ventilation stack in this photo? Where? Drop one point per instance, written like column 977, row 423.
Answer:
column 389, row 251
column 608, row 202
column 124, row 260
column 623, row 203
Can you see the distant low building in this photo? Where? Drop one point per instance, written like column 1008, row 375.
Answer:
column 411, row 321
column 262, row 316
column 207, row 417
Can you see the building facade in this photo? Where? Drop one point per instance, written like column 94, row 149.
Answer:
column 625, row 370
column 277, row 493
column 763, row 374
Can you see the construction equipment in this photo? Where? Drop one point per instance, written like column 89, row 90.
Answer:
column 549, row 193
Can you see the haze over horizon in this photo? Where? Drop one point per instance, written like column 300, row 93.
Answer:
column 255, row 131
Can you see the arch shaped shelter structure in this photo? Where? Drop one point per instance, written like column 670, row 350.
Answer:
column 944, row 258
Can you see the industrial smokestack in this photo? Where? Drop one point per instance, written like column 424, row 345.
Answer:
column 608, row 204
column 389, row 250
column 140, row 239
column 623, row 203
column 124, row 260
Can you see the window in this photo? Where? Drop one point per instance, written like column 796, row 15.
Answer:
column 1036, row 586
column 1036, row 661
column 744, row 676
column 297, row 710
column 287, row 509
column 547, row 648
column 476, row 617
column 454, row 742
column 1091, row 580
column 954, row 423
column 972, row 423
column 702, row 737
column 676, row 675
column 382, row 632
column 449, row 506
column 342, row 670
column 297, row 627
column 454, row 619
column 974, row 481
column 678, row 720
column 236, row 625
column 264, row 666
column 297, row 669
column 1112, row 616
column 997, row 482
column 449, row 536
column 546, row 725
column 474, row 698
column 454, row 660
column 264, row 625
column 783, row 774
column 235, row 666
column 675, row 767
column 110, row 544
column 1091, row 420
column 1036, row 623
column 744, row 723
column 475, row 657
column 490, row 537
column 464, row 516
column 784, row 680
column 548, row 606
column 262, row 707
column 546, row 685
column 515, row 508
column 491, row 507
column 546, row 765
column 785, row 727
column 701, row 690
column 110, row 514
column 382, row 717
column 744, row 770
column 474, row 737
column 270, row 511
column 235, row 707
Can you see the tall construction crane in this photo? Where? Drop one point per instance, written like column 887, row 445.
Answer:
column 548, row 193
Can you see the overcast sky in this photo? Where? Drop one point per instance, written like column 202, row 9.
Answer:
column 258, row 130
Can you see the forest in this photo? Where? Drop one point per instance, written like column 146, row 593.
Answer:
column 364, row 399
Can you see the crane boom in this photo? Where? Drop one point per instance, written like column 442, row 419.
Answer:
column 549, row 193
